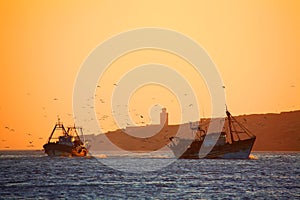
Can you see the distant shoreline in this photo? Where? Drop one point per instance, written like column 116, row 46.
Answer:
column 41, row 150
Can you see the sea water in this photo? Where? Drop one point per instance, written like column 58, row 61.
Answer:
column 33, row 175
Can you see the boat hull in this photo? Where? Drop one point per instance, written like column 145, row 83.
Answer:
column 237, row 150
column 55, row 149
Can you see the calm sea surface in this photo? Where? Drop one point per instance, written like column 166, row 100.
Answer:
column 32, row 175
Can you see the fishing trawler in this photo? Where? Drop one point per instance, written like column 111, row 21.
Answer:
column 236, row 143
column 64, row 142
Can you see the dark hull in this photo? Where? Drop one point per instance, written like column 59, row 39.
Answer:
column 237, row 150
column 55, row 149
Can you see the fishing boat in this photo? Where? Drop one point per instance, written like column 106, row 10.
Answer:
column 64, row 142
column 235, row 143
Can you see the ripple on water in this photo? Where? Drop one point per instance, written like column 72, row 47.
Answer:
column 31, row 175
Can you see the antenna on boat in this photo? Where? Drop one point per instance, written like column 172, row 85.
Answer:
column 226, row 109
column 58, row 119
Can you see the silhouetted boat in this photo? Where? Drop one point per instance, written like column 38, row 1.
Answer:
column 65, row 143
column 229, row 145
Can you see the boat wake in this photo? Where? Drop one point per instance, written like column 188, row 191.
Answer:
column 253, row 157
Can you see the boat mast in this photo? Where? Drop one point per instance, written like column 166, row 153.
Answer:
column 57, row 125
column 229, row 119
column 229, row 124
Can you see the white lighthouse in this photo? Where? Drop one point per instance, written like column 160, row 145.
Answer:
column 164, row 117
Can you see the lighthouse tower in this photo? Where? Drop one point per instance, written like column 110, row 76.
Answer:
column 164, row 117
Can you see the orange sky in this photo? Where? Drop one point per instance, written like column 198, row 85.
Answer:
column 255, row 45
